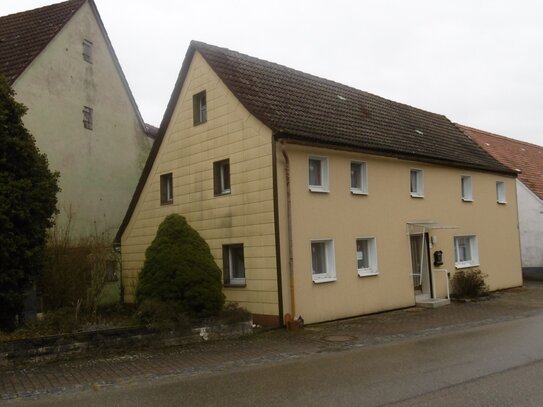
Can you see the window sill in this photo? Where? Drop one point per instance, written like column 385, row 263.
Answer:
column 414, row 195
column 362, row 273
column 230, row 285
column 467, row 200
column 465, row 266
column 324, row 280
column 502, row 202
column 358, row 192
column 227, row 192
column 166, row 203
column 318, row 189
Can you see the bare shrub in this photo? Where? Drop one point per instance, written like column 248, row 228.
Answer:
column 76, row 270
column 469, row 283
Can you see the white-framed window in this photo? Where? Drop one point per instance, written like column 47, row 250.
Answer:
column 366, row 256
column 466, row 251
column 467, row 189
column 199, row 108
column 318, row 174
column 323, row 266
column 87, row 51
column 359, row 177
column 166, row 189
column 417, row 183
column 500, row 192
column 233, row 259
column 221, row 177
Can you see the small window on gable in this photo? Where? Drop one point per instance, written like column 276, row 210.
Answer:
column 359, row 177
column 466, row 251
column 318, row 174
column 199, row 108
column 366, row 256
column 323, row 268
column 233, row 265
column 500, row 192
column 87, row 51
column 166, row 189
column 417, row 183
column 467, row 191
column 221, row 177
column 87, row 117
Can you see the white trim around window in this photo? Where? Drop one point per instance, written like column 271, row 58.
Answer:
column 466, row 184
column 416, row 181
column 359, row 178
column 323, row 264
column 466, row 251
column 500, row 192
column 318, row 174
column 366, row 256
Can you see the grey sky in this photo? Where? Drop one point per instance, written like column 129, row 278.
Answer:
column 480, row 63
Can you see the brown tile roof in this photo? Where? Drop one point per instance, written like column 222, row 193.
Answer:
column 309, row 109
column 313, row 109
column 516, row 154
column 24, row 35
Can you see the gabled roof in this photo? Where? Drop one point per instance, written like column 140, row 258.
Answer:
column 24, row 35
column 309, row 109
column 520, row 156
column 305, row 107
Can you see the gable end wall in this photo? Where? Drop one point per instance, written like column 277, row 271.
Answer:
column 244, row 216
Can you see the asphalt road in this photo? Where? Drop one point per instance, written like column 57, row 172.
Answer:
column 492, row 365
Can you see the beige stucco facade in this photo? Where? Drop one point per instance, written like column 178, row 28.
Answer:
column 384, row 214
column 99, row 168
column 244, row 216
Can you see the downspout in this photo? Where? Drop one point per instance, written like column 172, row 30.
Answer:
column 289, row 231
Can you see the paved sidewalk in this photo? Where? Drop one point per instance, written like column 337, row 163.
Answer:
column 266, row 347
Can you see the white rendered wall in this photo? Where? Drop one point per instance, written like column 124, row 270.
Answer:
column 530, row 209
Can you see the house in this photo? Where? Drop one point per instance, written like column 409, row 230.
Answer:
column 62, row 66
column 527, row 160
column 319, row 200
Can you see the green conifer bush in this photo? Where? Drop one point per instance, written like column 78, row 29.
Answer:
column 180, row 267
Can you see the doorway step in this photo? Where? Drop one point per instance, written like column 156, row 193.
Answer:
column 431, row 302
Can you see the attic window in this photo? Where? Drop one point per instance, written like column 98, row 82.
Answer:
column 87, row 51
column 341, row 97
column 87, row 117
column 420, row 132
column 199, row 108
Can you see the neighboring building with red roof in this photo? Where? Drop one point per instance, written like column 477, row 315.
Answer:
column 527, row 160
column 62, row 66
column 317, row 199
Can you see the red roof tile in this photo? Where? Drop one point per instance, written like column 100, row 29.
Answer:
column 24, row 35
column 517, row 155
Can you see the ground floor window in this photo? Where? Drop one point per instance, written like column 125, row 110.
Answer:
column 466, row 251
column 233, row 264
column 322, row 261
column 366, row 256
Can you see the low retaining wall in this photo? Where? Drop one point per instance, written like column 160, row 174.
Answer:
column 68, row 346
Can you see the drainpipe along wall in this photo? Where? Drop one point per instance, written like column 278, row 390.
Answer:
column 289, row 230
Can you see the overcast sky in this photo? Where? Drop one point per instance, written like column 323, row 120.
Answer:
column 480, row 63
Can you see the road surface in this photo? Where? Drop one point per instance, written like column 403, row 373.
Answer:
column 492, row 365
